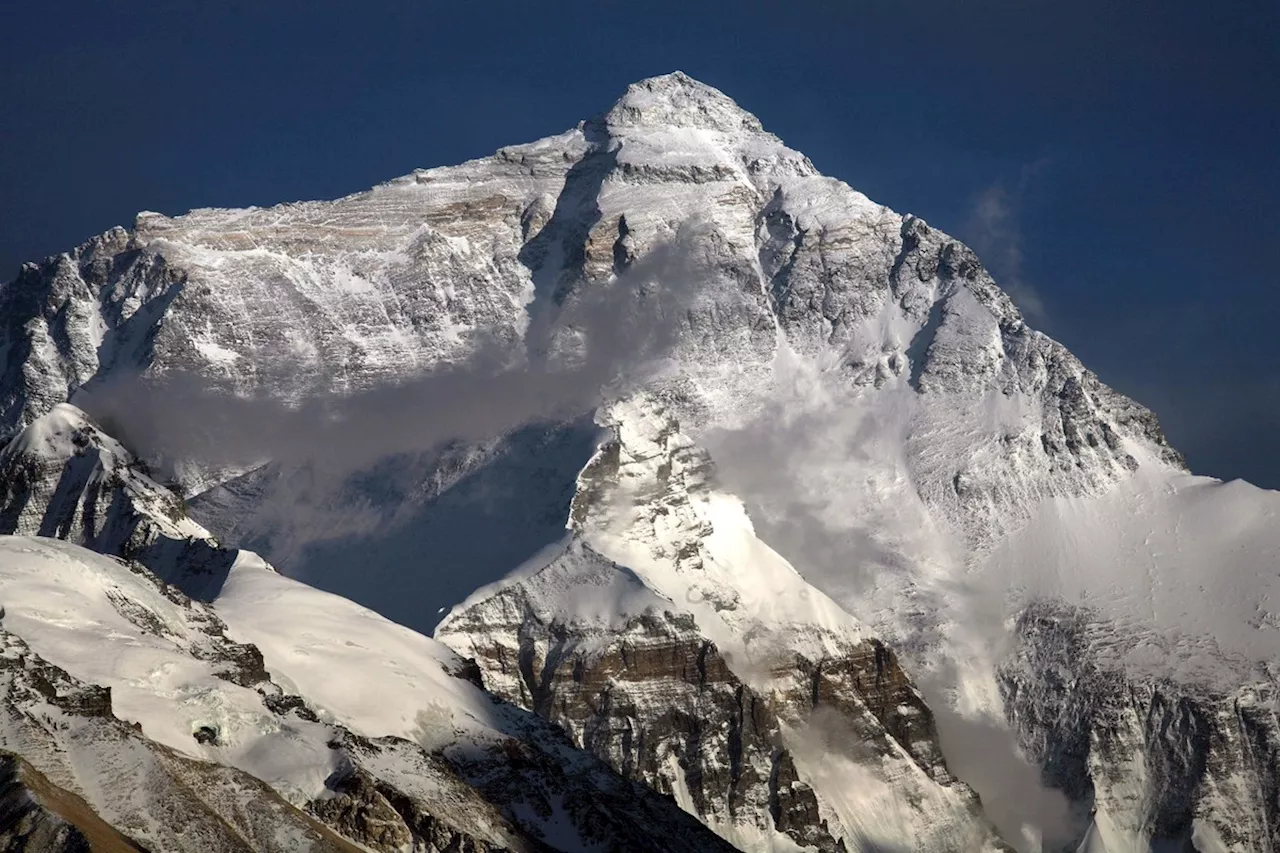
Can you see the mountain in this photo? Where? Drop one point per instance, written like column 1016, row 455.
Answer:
column 113, row 671
column 764, row 495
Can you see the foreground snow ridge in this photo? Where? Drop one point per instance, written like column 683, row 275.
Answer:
column 844, row 556
column 393, row 752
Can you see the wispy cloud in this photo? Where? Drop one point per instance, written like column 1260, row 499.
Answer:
column 613, row 337
column 994, row 231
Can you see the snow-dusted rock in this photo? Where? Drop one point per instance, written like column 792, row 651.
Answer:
column 1157, row 762
column 67, row 728
column 62, row 476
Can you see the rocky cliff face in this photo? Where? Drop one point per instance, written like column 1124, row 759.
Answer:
column 659, row 704
column 1161, row 765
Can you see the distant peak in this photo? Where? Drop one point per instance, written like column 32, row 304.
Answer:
column 678, row 100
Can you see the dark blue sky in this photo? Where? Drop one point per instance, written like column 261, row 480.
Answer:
column 1116, row 163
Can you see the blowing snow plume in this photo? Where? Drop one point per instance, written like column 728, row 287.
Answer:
column 409, row 481
column 831, row 483
column 609, row 338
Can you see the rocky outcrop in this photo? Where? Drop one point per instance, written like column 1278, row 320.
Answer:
column 1157, row 764
column 63, row 477
column 65, row 731
column 384, row 819
column 57, row 331
column 660, row 705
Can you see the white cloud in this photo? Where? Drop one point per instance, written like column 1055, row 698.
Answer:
column 993, row 231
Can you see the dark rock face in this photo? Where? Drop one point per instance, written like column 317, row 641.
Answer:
column 658, row 702
column 361, row 812
column 868, row 683
column 39, row 681
column 390, row 792
column 206, row 735
column 1158, row 763
column 663, row 693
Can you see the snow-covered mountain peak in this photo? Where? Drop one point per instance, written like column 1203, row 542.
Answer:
column 678, row 100
column 892, row 442
column 675, row 130
column 649, row 500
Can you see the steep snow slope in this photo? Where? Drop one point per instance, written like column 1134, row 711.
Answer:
column 164, row 658
column 1149, row 556
column 66, row 729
